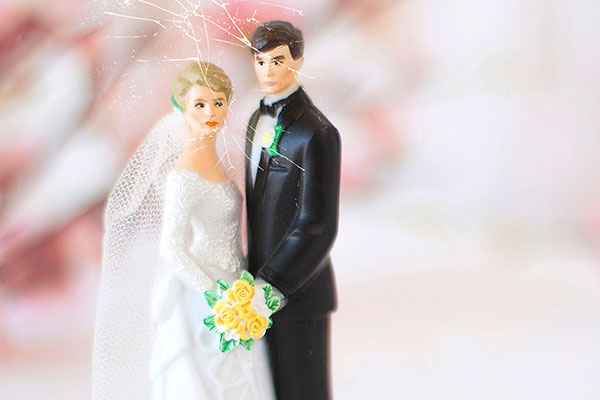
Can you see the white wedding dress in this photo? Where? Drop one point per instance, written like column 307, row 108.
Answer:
column 200, row 243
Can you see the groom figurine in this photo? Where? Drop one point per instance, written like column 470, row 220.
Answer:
column 292, row 192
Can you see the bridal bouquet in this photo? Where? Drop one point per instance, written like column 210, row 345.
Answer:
column 241, row 312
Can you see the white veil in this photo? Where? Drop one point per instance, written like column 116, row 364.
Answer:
column 131, row 264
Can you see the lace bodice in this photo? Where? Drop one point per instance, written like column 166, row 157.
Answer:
column 200, row 238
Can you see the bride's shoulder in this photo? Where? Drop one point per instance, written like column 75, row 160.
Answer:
column 203, row 167
column 181, row 188
column 181, row 175
column 191, row 178
column 180, row 179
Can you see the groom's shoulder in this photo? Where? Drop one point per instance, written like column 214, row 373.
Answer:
column 313, row 119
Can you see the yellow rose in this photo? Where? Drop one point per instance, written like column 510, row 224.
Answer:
column 233, row 325
column 242, row 312
column 243, row 292
column 230, row 295
column 243, row 332
column 256, row 324
column 221, row 304
column 242, row 309
column 227, row 318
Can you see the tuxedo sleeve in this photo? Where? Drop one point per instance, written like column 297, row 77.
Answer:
column 314, row 228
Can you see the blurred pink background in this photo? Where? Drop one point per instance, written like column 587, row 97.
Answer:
column 468, row 252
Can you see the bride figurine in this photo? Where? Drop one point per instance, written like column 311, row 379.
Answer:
column 172, row 230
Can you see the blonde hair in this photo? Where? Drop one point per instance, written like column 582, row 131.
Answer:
column 203, row 74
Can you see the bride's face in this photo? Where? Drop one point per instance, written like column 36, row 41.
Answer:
column 205, row 111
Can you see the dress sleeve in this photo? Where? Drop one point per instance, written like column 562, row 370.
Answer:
column 175, row 236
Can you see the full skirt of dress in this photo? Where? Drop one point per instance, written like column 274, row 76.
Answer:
column 186, row 360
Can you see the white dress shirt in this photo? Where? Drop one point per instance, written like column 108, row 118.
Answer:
column 263, row 138
column 265, row 132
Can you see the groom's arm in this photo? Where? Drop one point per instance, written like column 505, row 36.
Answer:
column 313, row 231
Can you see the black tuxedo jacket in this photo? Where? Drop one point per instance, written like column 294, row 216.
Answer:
column 293, row 209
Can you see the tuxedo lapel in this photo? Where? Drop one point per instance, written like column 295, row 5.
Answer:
column 294, row 108
column 260, row 177
column 249, row 140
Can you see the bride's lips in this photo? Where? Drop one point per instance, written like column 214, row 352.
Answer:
column 211, row 123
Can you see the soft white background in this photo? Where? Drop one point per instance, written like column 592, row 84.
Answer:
column 467, row 254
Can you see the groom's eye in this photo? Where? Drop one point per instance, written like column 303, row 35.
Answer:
column 261, row 63
column 277, row 62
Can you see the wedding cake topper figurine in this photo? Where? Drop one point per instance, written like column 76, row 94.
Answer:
column 292, row 193
column 181, row 313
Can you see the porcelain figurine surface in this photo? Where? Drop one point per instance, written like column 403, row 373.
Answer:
column 292, row 196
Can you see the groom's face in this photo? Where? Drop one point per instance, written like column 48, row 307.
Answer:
column 276, row 70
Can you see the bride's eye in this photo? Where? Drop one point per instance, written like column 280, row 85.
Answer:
column 219, row 104
column 201, row 105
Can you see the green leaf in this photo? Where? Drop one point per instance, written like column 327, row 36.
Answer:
column 223, row 285
column 270, row 323
column 247, row 277
column 273, row 147
column 268, row 289
column 247, row 343
column 227, row 345
column 211, row 297
column 273, row 303
column 210, row 323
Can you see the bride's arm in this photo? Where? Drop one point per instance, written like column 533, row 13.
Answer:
column 175, row 237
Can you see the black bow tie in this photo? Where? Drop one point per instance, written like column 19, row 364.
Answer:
column 273, row 108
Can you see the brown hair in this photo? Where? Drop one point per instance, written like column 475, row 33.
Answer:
column 272, row 34
column 203, row 74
